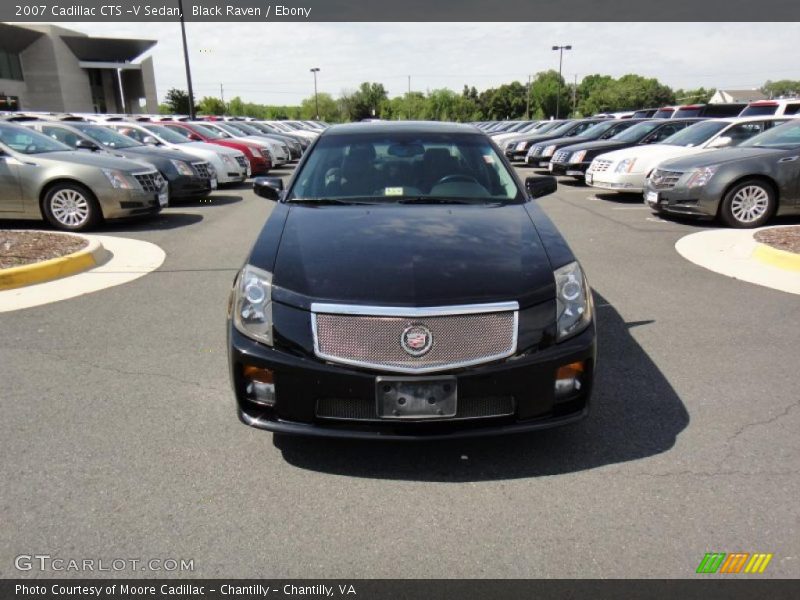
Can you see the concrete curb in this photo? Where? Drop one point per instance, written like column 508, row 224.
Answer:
column 734, row 253
column 774, row 257
column 92, row 255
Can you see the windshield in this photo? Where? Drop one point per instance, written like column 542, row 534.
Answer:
column 785, row 136
column 598, row 129
column 393, row 167
column 166, row 134
column 635, row 133
column 230, row 129
column 758, row 110
column 27, row 141
column 696, row 134
column 107, row 137
column 211, row 131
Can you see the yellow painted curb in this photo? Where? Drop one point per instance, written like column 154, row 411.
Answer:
column 788, row 261
column 55, row 268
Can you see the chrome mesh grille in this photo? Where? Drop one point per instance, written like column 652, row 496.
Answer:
column 242, row 160
column 664, row 180
column 150, row 182
column 561, row 156
column 600, row 164
column 536, row 151
column 202, row 169
column 375, row 341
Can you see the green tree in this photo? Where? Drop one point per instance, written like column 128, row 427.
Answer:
column 328, row 108
column 696, row 96
column 177, row 101
column 784, row 87
column 211, row 106
column 545, row 95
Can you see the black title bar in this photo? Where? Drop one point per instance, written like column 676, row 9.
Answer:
column 730, row 588
column 405, row 10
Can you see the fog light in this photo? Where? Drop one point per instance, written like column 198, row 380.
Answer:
column 261, row 386
column 568, row 379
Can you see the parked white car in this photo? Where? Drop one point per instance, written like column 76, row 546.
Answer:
column 228, row 167
column 286, row 128
column 626, row 170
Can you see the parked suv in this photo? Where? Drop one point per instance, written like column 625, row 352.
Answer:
column 781, row 106
column 42, row 178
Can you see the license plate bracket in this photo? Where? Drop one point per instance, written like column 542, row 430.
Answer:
column 414, row 398
column 651, row 198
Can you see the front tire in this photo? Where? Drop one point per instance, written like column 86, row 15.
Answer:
column 71, row 207
column 748, row 204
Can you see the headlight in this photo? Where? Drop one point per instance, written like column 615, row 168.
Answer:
column 183, row 168
column 577, row 156
column 252, row 310
column 118, row 179
column 700, row 177
column 625, row 166
column 228, row 160
column 573, row 301
column 254, row 151
column 549, row 151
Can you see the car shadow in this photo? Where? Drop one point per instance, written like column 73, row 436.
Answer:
column 572, row 182
column 164, row 220
column 215, row 199
column 620, row 197
column 635, row 414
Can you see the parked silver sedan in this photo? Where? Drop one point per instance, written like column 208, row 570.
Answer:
column 41, row 178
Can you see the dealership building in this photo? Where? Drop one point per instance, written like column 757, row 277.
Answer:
column 53, row 69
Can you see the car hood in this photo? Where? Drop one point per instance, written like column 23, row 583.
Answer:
column 413, row 255
column 92, row 159
column 153, row 152
column 213, row 148
column 726, row 155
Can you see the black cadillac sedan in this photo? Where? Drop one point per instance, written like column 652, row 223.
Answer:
column 744, row 186
column 406, row 286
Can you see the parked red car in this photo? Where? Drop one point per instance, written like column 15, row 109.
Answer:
column 259, row 164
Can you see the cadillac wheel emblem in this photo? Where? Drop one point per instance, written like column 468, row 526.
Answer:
column 416, row 340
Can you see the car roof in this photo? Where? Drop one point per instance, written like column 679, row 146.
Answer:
column 400, row 127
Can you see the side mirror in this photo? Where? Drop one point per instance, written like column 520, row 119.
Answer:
column 721, row 142
column 270, row 188
column 194, row 137
column 540, row 185
column 86, row 145
column 150, row 141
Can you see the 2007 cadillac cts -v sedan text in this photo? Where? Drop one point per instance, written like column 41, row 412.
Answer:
column 406, row 285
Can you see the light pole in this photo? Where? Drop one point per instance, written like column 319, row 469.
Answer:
column 186, row 63
column 315, row 70
column 560, row 61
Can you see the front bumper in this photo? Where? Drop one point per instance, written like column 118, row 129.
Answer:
column 120, row 203
column 616, row 182
column 185, row 186
column 692, row 202
column 301, row 381
column 569, row 169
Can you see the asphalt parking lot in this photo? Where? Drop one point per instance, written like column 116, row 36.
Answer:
column 120, row 437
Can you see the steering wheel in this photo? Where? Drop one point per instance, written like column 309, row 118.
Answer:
column 457, row 178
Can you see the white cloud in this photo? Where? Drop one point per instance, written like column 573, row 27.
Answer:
column 270, row 62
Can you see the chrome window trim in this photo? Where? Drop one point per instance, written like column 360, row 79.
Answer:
column 412, row 312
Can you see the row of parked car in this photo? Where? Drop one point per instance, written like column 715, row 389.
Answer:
column 76, row 170
column 742, row 170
